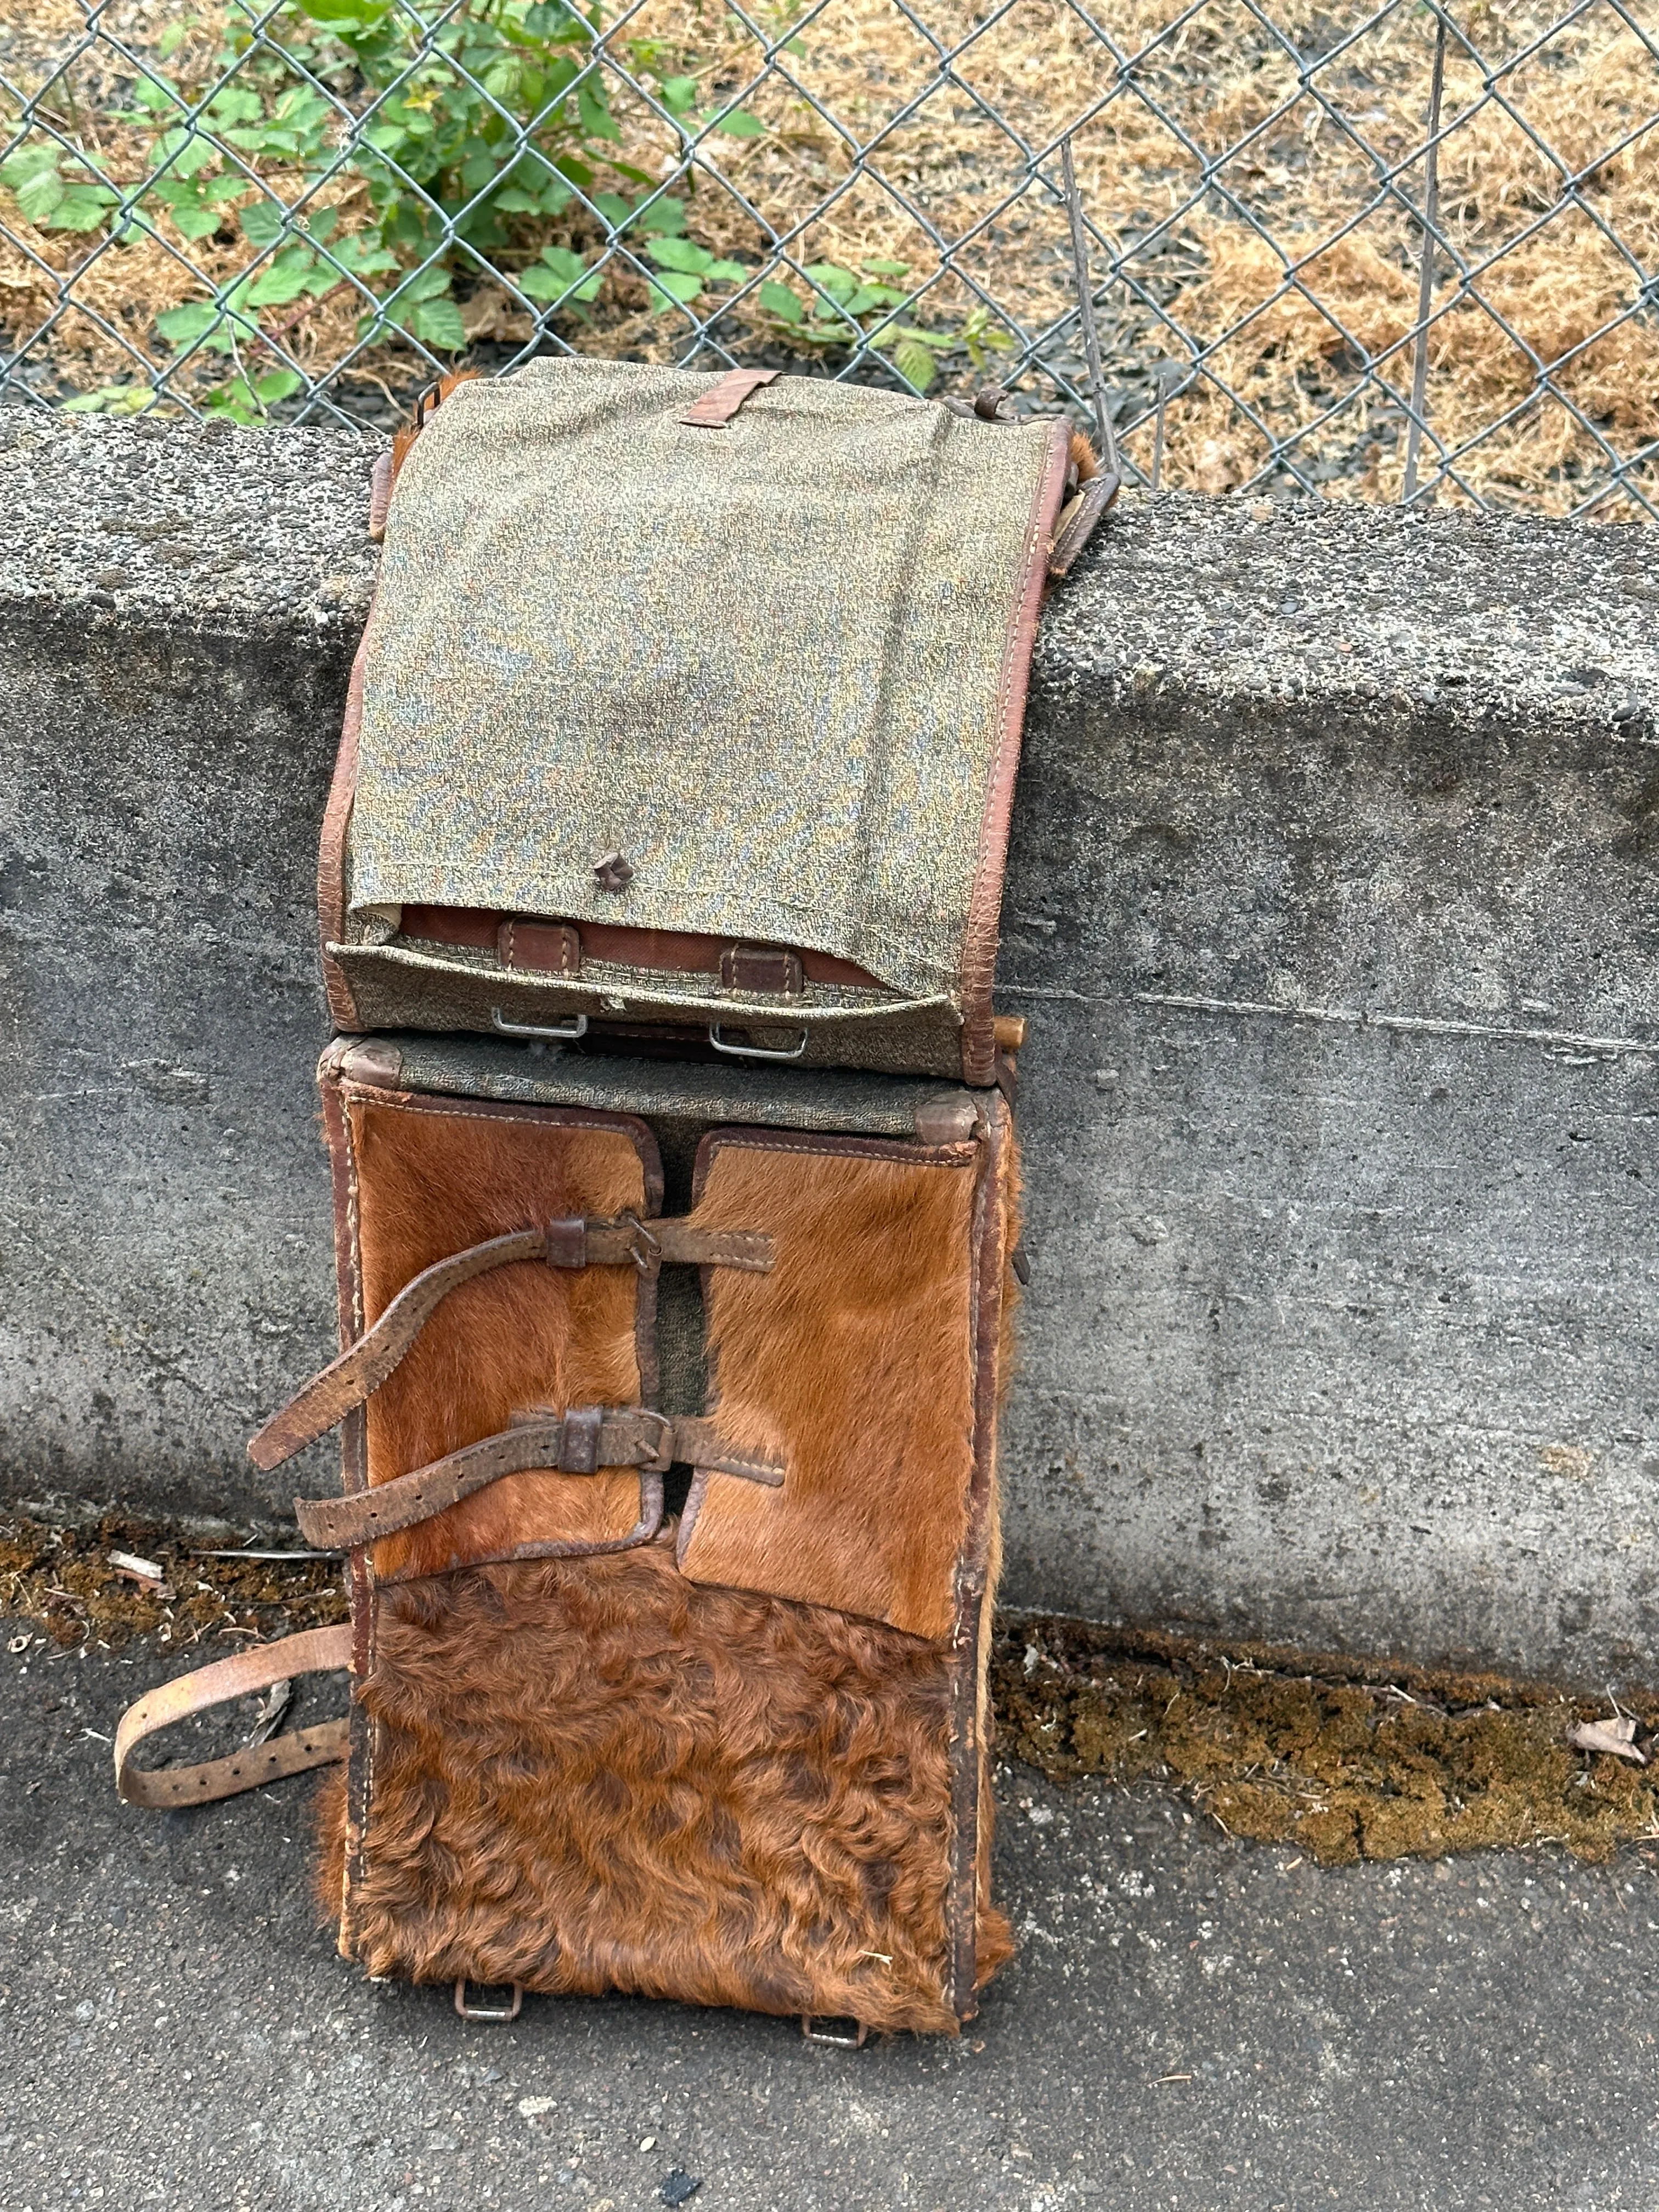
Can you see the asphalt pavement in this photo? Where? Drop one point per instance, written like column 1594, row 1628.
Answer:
column 1192, row 2022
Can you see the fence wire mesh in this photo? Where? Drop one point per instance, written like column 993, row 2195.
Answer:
column 1366, row 252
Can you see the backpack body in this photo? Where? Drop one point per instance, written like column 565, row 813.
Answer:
column 676, row 1196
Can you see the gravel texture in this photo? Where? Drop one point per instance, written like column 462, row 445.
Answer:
column 1192, row 2024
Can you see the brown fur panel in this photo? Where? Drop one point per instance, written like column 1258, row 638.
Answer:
column 1083, row 458
column 431, row 1177
column 591, row 1774
column 853, row 1361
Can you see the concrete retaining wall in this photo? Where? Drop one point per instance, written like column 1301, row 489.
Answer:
column 1331, row 902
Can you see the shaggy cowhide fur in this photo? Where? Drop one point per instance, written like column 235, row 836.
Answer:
column 431, row 1176
column 853, row 1361
column 591, row 1774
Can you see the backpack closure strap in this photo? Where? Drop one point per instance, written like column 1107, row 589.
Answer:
column 584, row 1441
column 318, row 1651
column 570, row 1242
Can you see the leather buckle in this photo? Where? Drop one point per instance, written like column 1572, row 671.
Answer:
column 647, row 1248
column 663, row 1458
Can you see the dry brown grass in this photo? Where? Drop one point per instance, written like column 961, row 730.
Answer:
column 1282, row 320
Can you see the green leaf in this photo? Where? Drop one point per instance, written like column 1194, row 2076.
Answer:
column 671, row 285
column 82, row 207
column 185, row 152
column 28, row 161
column 195, row 220
column 558, row 272
column 886, row 268
column 156, row 93
column 236, row 104
column 431, row 283
column 173, row 37
column 724, row 272
column 283, row 280
column 597, row 121
column 38, row 194
column 182, row 326
column 111, row 399
column 278, row 384
column 344, row 13
column 914, row 360
column 840, row 283
column 613, row 206
column 678, row 92
column 681, row 253
column 778, row 299
column 363, row 256
column 739, row 123
column 439, row 322
column 665, row 218
column 552, row 19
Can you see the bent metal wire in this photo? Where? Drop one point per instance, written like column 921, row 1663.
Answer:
column 1218, row 89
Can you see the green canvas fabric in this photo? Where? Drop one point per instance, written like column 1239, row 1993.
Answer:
column 766, row 662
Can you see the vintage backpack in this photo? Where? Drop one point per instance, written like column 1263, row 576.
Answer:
column 676, row 1196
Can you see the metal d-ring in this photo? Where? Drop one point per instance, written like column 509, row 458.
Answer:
column 488, row 2012
column 818, row 2028
column 754, row 1051
column 566, row 1033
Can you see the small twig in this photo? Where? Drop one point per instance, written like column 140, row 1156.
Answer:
column 1085, row 308
column 1425, row 281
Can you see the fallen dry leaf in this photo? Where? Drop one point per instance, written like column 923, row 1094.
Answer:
column 1617, row 1736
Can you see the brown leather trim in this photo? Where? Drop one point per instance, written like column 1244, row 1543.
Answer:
column 316, row 1650
column 677, row 951
column 722, row 400
column 973, row 1567
column 978, row 951
column 1078, row 521
column 330, row 852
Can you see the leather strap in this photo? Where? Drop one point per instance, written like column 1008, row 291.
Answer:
column 584, row 1441
column 722, row 400
column 559, row 948
column 326, row 1400
column 319, row 1650
column 1077, row 518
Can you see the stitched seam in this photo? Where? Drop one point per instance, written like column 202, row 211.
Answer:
column 856, row 1149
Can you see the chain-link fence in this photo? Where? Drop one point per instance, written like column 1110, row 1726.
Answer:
column 1410, row 249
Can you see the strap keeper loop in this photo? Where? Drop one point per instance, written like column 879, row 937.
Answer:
column 579, row 1440
column 567, row 1242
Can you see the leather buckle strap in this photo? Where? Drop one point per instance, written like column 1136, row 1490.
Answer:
column 318, row 1651
column 569, row 1242
column 584, row 1440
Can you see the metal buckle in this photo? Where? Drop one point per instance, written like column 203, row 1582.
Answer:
column 663, row 1457
column 488, row 2012
column 565, row 1033
column 647, row 1248
column 753, row 1051
column 815, row 2033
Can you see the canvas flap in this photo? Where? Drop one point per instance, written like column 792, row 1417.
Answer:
column 779, row 665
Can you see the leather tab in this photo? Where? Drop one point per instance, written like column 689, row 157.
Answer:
column 567, row 1242
column 1076, row 523
column 548, row 948
column 579, row 1440
column 759, row 967
column 721, row 402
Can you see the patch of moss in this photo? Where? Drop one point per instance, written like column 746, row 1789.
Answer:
column 1345, row 1759
column 64, row 1579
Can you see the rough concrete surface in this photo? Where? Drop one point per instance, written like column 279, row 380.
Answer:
column 1192, row 2025
column 1330, row 900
